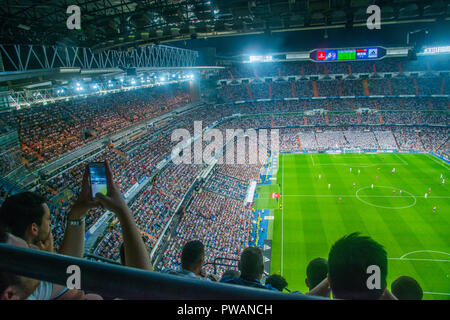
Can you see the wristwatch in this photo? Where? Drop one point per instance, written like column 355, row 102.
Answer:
column 75, row 222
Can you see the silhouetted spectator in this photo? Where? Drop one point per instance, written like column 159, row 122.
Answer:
column 251, row 266
column 277, row 281
column 348, row 263
column 406, row 288
column 316, row 271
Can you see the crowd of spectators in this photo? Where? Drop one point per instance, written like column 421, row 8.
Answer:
column 257, row 89
column 216, row 214
column 345, row 68
column 49, row 131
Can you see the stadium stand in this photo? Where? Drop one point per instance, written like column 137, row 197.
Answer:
column 176, row 205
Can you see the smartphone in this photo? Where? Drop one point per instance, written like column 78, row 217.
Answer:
column 97, row 178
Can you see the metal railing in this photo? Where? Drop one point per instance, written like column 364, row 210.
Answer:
column 126, row 283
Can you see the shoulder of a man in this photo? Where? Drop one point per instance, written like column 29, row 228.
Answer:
column 43, row 291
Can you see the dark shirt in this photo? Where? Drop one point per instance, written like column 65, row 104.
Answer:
column 248, row 282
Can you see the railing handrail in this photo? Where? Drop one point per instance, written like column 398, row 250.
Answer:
column 127, row 283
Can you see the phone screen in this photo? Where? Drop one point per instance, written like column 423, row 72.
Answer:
column 97, row 175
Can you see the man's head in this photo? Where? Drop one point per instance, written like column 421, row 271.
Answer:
column 14, row 287
column 232, row 273
column 316, row 271
column 348, row 263
column 406, row 288
column 26, row 216
column 277, row 281
column 251, row 263
column 192, row 256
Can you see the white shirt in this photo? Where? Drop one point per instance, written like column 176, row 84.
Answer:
column 42, row 292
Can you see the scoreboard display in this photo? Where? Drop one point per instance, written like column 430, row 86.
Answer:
column 347, row 54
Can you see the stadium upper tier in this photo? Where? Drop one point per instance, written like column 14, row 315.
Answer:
column 283, row 69
column 436, row 85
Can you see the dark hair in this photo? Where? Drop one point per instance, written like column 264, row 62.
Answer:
column 251, row 262
column 348, row 261
column 231, row 272
column 316, row 271
column 406, row 288
column 193, row 252
column 21, row 210
column 277, row 281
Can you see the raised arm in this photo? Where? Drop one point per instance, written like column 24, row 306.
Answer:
column 73, row 241
column 136, row 254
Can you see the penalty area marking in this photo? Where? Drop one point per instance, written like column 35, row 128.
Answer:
column 419, row 251
column 403, row 257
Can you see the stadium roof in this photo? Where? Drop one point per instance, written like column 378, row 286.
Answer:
column 121, row 24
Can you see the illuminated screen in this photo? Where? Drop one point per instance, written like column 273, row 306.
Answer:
column 347, row 54
column 98, row 180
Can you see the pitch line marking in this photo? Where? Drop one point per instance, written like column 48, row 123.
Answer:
column 438, row 293
column 402, row 160
column 417, row 259
column 418, row 251
column 386, row 207
column 356, row 165
column 353, row 196
column 433, row 158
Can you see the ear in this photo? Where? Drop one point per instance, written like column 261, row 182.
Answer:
column 307, row 282
column 32, row 231
column 9, row 294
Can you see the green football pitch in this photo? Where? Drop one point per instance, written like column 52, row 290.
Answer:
column 309, row 217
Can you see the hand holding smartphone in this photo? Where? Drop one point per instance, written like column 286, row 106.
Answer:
column 97, row 179
column 101, row 182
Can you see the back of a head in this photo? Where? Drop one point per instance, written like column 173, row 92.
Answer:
column 21, row 210
column 406, row 288
column 277, row 281
column 251, row 263
column 232, row 273
column 348, row 267
column 193, row 252
column 316, row 271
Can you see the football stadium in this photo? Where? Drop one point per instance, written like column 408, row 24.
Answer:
column 225, row 150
